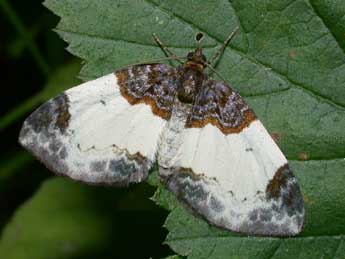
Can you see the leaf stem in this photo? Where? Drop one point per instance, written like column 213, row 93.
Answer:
column 20, row 110
column 17, row 23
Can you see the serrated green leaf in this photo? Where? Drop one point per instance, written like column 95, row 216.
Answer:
column 288, row 61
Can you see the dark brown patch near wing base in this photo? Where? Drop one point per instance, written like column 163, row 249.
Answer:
column 248, row 118
column 222, row 107
column 147, row 100
column 153, row 84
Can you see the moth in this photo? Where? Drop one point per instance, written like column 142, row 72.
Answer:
column 212, row 151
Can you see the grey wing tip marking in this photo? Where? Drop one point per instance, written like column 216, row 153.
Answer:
column 283, row 189
column 45, row 134
column 124, row 168
column 281, row 215
column 41, row 130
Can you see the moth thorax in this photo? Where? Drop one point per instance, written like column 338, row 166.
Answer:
column 191, row 82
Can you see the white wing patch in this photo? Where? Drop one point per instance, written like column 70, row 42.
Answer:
column 92, row 134
column 238, row 181
column 243, row 163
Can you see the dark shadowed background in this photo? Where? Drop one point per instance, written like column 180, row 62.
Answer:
column 125, row 223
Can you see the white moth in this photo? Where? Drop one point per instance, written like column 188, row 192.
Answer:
column 212, row 151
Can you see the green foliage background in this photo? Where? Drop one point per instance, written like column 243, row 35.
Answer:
column 288, row 61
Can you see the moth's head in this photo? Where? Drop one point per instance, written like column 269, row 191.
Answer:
column 197, row 59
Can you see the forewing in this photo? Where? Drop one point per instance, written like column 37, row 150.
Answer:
column 225, row 166
column 104, row 131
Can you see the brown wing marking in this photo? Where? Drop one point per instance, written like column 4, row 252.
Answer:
column 153, row 84
column 222, row 107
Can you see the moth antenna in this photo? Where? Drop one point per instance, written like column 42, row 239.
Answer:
column 165, row 49
column 222, row 48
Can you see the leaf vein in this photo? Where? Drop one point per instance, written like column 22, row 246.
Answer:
column 338, row 247
column 326, row 25
column 275, row 250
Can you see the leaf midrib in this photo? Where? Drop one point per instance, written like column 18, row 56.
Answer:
column 253, row 60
